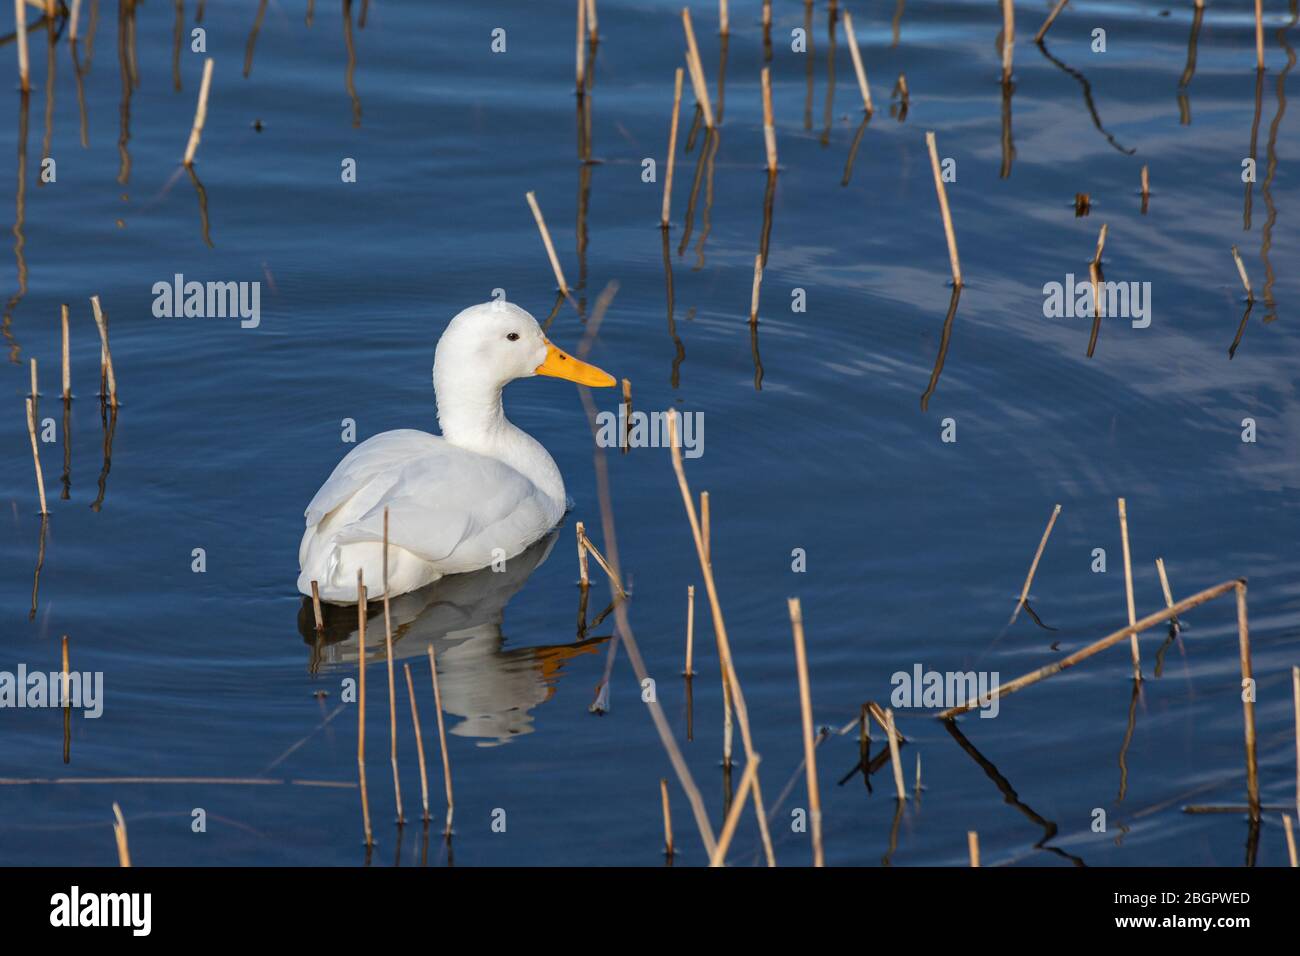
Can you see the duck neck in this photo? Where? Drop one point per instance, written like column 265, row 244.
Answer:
column 471, row 416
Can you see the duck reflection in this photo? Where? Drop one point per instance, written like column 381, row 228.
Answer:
column 492, row 688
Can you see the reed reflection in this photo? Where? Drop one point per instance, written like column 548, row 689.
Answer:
column 491, row 687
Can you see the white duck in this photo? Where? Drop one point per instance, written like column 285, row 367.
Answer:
column 483, row 490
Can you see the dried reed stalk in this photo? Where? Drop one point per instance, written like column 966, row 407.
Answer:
column 361, row 707
column 943, row 210
column 1033, row 677
column 581, row 68
column 1033, row 568
column 668, row 818
column 67, row 365
column 1290, row 839
column 698, row 83
column 892, row 734
column 748, row 782
column 119, row 834
column 105, row 354
column 690, row 631
column 1259, row 35
column 1241, row 271
column 546, row 241
column 724, row 21
column 1164, row 586
column 315, row 607
column 1128, row 587
column 583, row 579
column 419, row 743
column 1051, row 18
column 805, row 713
column 442, row 741
column 769, row 130
column 20, row 28
column 1247, row 701
column 36, row 456
column 392, row 690
column 863, row 87
column 1008, row 37
column 973, row 844
column 720, row 632
column 200, row 114
column 753, row 295
column 672, row 148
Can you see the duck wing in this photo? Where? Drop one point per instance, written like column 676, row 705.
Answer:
column 447, row 505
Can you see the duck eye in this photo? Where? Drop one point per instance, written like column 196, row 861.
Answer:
column 513, row 336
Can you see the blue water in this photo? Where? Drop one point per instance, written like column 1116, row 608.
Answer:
column 915, row 548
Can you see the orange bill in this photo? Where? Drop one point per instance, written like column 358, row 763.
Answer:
column 560, row 364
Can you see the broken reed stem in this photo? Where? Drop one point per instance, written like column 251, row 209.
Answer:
column 315, row 607
column 668, row 818
column 200, row 114
column 591, row 20
column 672, row 147
column 35, row 393
column 361, row 707
column 105, row 354
column 1259, row 35
column 1008, row 37
column 1033, row 568
column 724, row 21
column 442, row 741
column 690, row 631
column 1146, row 184
column 119, row 834
column 1290, row 839
column 753, row 295
column 1128, row 587
column 918, row 774
column 1051, row 18
column 546, row 241
column 769, row 130
column 392, row 691
column 943, row 210
column 600, row 559
column 1164, row 586
column 581, row 68
column 748, row 781
column 63, row 696
column 72, row 23
column 419, row 743
column 36, row 456
column 1248, row 701
column 720, row 632
column 863, row 87
column 1110, row 640
column 805, row 713
column 1241, row 271
column 697, row 70
column 20, row 26
column 892, row 733
column 583, row 580
column 67, row 365
column 973, row 844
